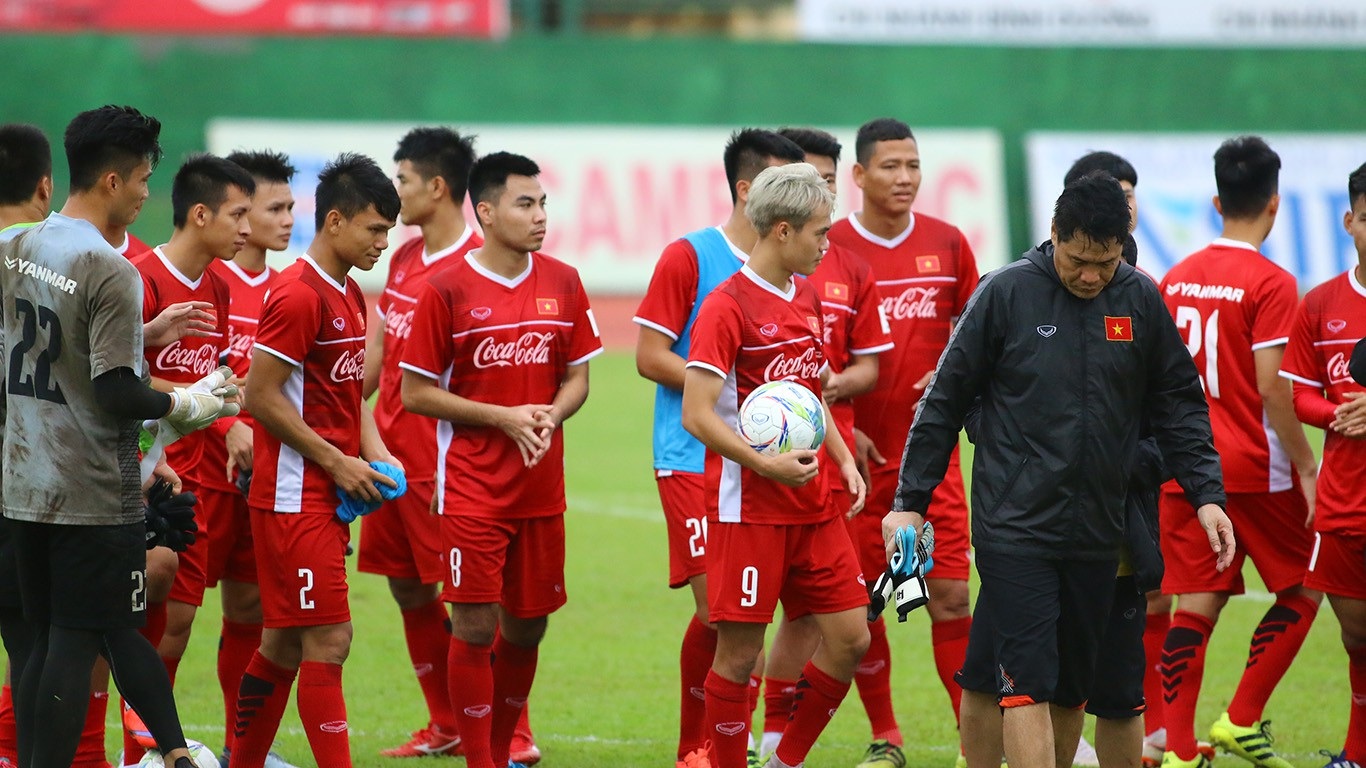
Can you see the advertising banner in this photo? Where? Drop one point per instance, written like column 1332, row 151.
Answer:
column 617, row 194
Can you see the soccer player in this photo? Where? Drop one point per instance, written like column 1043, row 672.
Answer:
column 1235, row 309
column 1329, row 323
column 314, row 440
column 925, row 271
column 499, row 353
column 405, row 543
column 227, row 460
column 68, row 289
column 855, row 332
column 686, row 272
column 773, row 533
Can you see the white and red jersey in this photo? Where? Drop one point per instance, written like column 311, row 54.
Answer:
column 851, row 313
column 503, row 341
column 925, row 276
column 188, row 359
column 750, row 332
column 1228, row 301
column 409, row 437
column 1329, row 323
column 316, row 325
column 246, row 293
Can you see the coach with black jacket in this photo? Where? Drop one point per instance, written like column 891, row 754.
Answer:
column 1069, row 350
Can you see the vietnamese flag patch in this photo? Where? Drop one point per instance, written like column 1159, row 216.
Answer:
column 547, row 307
column 928, row 263
column 836, row 291
column 1119, row 328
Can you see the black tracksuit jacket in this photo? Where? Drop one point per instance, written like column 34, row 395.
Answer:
column 1065, row 385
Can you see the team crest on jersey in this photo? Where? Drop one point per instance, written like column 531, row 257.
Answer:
column 481, row 313
column 399, row 275
column 836, row 291
column 1335, row 326
column 547, row 307
column 815, row 323
column 927, row 263
column 339, row 323
column 769, row 330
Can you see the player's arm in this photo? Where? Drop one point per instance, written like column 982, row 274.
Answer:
column 656, row 361
column 188, row 318
column 1279, row 404
column 121, row 393
column 372, row 446
column 858, row 378
column 423, row 395
column 844, row 459
column 374, row 359
column 280, row 417
column 701, row 390
column 663, row 314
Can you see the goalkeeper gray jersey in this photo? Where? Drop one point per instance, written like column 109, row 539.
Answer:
column 72, row 311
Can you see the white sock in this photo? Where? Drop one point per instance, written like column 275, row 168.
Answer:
column 770, row 742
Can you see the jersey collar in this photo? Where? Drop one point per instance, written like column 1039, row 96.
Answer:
column 882, row 241
column 444, row 252
column 787, row 295
column 1231, row 243
column 339, row 286
column 497, row 278
column 177, row 274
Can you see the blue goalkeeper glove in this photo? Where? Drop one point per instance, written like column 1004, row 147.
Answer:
column 349, row 508
column 904, row 579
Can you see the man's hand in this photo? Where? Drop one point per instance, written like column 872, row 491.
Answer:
column 524, row 424
column 794, row 468
column 357, row 478
column 170, row 518
column 853, row 482
column 1219, row 531
column 830, row 390
column 865, row 452
column 1309, row 484
column 239, row 443
column 551, row 418
column 162, row 473
column 201, row 403
column 188, row 318
column 895, row 521
column 1349, row 419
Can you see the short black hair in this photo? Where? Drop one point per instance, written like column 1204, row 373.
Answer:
column 489, row 175
column 439, row 152
column 748, row 152
column 25, row 160
column 204, row 179
column 1247, row 175
column 813, row 141
column 1093, row 206
column 875, row 130
column 349, row 185
column 264, row 165
column 110, row 138
column 1356, row 184
column 1109, row 162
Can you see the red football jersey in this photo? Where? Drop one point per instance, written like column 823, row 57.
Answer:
column 316, row 325
column 672, row 292
column 1228, row 301
column 925, row 276
column 246, row 293
column 132, row 247
column 410, row 437
column 508, row 342
column 750, row 333
column 185, row 360
column 851, row 310
column 1329, row 323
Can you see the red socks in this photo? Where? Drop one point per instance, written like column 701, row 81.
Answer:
column 514, row 670
column 728, row 715
column 429, row 642
column 818, row 696
column 90, row 751
column 779, row 698
column 1356, row 725
column 1274, row 644
column 694, row 662
column 261, row 703
column 470, row 681
column 322, row 710
column 873, row 677
column 1154, row 635
column 9, row 745
column 236, row 645
column 1183, row 667
column 950, row 640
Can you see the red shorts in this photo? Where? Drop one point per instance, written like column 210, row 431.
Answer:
column 1337, row 565
column 191, row 576
column 1267, row 527
column 301, row 564
column 516, row 563
column 231, row 553
column 685, row 519
column 948, row 511
column 402, row 539
column 809, row 568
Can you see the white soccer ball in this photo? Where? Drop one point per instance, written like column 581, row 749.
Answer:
column 202, row 756
column 782, row 416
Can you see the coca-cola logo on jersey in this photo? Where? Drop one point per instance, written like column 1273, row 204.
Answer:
column 398, row 324
column 241, row 344
column 830, row 319
column 807, row 365
column 913, row 303
column 1337, row 369
column 349, row 367
column 531, row 349
column 200, row 361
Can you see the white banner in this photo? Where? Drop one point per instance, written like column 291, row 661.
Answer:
column 617, row 194
column 1175, row 190
column 1087, row 22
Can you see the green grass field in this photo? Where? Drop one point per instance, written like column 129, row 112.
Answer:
column 606, row 692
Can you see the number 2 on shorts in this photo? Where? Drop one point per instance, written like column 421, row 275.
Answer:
column 305, row 602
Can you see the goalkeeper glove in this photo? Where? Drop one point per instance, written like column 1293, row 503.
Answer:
column 201, row 403
column 170, row 518
column 904, row 579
